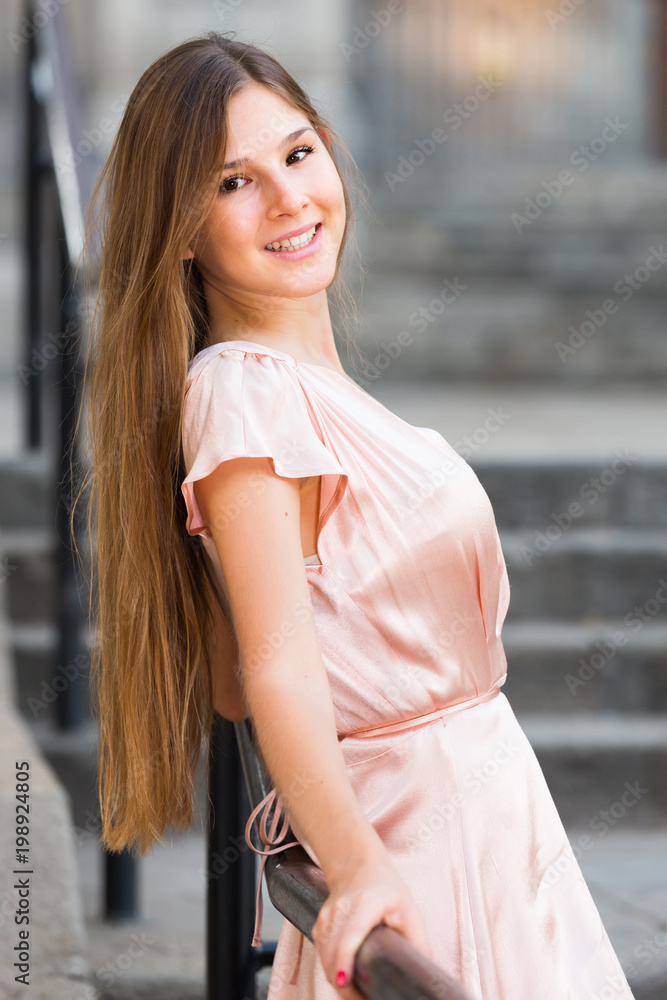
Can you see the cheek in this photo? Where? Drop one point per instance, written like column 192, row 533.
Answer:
column 230, row 239
column 333, row 196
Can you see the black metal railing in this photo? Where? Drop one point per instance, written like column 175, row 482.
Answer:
column 55, row 196
column 58, row 184
column 387, row 965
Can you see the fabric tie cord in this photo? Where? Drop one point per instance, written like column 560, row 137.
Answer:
column 273, row 846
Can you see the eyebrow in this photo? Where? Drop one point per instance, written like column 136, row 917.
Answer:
column 286, row 141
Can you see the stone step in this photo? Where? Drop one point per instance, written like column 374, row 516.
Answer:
column 592, row 761
column 612, row 198
column 623, row 491
column 574, row 667
column 468, row 296
column 491, row 328
column 40, row 680
column 29, row 564
column 29, row 561
column 27, row 490
column 587, row 573
column 541, row 425
column 555, row 255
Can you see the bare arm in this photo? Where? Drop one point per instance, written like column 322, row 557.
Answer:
column 228, row 697
column 253, row 516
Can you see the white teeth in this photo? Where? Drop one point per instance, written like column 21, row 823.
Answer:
column 293, row 243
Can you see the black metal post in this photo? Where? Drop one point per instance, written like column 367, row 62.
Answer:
column 120, row 870
column 72, row 704
column 231, row 872
column 34, row 166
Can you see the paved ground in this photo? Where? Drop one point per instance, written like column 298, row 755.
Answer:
column 625, row 871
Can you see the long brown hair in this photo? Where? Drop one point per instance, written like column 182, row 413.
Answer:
column 153, row 593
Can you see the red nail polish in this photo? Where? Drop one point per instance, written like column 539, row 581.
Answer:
column 341, row 978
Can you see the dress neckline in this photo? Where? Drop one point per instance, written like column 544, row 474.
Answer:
column 226, row 344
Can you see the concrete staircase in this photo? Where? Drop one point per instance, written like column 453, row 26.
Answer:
column 586, row 629
column 454, row 292
column 463, row 313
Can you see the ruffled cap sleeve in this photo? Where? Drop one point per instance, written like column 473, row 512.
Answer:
column 240, row 404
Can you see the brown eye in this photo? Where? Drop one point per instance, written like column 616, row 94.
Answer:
column 228, row 180
column 241, row 177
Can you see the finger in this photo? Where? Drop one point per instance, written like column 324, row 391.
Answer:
column 349, row 991
column 411, row 924
column 339, row 936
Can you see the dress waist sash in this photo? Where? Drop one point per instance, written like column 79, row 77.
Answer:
column 273, row 842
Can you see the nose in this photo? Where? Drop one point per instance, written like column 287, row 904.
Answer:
column 287, row 198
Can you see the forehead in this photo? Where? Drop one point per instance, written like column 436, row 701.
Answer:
column 258, row 122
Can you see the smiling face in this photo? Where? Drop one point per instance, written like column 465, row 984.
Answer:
column 288, row 184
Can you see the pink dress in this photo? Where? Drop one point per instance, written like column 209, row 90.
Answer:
column 409, row 592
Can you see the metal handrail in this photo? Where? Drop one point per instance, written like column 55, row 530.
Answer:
column 52, row 128
column 387, row 966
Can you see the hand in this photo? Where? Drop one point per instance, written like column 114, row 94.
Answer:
column 370, row 894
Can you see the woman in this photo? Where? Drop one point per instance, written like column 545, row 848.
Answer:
column 273, row 542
